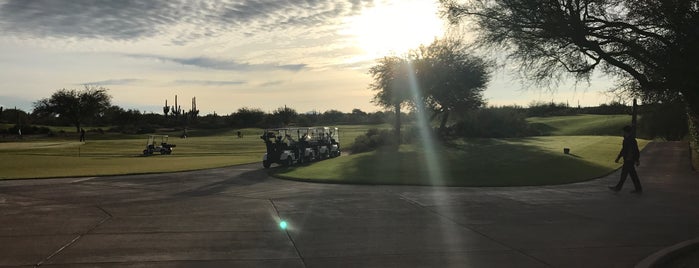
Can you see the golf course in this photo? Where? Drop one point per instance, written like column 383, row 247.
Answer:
column 464, row 162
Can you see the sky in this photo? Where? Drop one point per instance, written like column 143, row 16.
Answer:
column 310, row 55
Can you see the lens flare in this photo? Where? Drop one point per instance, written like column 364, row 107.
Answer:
column 432, row 158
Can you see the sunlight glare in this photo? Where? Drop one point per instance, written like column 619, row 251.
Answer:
column 283, row 225
column 394, row 28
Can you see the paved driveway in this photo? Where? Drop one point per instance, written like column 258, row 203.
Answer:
column 229, row 217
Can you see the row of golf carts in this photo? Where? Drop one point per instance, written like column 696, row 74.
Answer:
column 289, row 146
column 285, row 146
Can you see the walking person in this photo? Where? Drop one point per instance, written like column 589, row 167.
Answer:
column 82, row 134
column 631, row 154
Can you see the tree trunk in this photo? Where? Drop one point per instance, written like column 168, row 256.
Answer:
column 634, row 114
column 443, row 124
column 691, row 100
column 397, row 126
column 77, row 127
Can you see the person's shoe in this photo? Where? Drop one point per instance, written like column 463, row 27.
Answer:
column 614, row 189
column 636, row 192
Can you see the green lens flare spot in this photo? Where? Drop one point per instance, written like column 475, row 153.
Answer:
column 283, row 225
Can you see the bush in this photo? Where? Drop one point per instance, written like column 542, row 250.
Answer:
column 505, row 122
column 28, row 130
column 663, row 120
column 611, row 108
column 372, row 140
column 550, row 109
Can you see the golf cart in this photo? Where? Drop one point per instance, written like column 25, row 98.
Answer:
column 281, row 147
column 330, row 142
column 163, row 147
column 288, row 146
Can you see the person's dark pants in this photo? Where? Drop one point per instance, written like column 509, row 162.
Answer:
column 626, row 170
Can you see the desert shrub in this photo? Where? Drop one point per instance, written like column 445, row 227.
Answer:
column 372, row 140
column 493, row 123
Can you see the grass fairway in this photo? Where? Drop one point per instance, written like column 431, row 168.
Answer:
column 114, row 154
column 483, row 162
column 585, row 124
column 60, row 158
column 350, row 132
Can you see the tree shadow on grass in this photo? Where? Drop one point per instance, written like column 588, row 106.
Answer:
column 491, row 163
column 542, row 129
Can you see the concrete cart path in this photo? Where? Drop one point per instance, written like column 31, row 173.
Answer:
column 229, row 217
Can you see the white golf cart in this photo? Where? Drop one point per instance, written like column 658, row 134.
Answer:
column 288, row 146
column 158, row 143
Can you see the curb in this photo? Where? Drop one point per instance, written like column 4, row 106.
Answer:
column 661, row 257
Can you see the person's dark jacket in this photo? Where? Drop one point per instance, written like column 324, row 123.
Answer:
column 629, row 150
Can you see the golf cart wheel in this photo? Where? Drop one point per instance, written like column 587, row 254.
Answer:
column 145, row 152
column 266, row 164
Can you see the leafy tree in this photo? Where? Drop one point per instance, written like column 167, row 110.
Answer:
column 333, row 116
column 14, row 116
column 450, row 78
column 664, row 120
column 76, row 106
column 357, row 116
column 391, row 83
column 447, row 77
column 247, row 117
column 284, row 115
column 115, row 115
column 650, row 46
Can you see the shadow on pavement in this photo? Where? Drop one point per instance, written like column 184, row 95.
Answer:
column 243, row 179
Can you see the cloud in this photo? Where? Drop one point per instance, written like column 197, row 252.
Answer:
column 128, row 19
column 209, row 82
column 272, row 83
column 230, row 65
column 114, row 82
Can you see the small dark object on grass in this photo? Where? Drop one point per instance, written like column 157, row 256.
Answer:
column 566, row 150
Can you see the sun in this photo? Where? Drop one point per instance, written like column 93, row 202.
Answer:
column 394, row 28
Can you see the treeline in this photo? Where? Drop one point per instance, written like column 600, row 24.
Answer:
column 660, row 120
column 543, row 109
column 132, row 121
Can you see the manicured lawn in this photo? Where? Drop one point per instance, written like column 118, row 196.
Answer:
column 482, row 162
column 58, row 158
column 586, row 124
column 112, row 154
column 474, row 162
